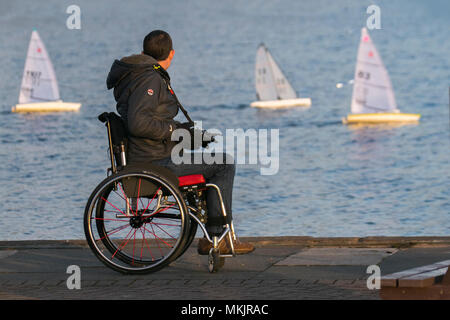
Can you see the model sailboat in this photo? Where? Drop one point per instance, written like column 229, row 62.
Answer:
column 273, row 90
column 373, row 99
column 39, row 91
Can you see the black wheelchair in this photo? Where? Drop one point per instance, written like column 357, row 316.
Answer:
column 143, row 217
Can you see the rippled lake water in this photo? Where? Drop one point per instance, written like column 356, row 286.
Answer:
column 333, row 180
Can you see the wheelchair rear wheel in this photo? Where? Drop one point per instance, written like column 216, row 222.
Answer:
column 136, row 222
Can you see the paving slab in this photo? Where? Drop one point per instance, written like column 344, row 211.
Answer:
column 337, row 257
column 274, row 271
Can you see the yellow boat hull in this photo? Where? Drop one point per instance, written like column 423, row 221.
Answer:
column 51, row 106
column 374, row 118
column 279, row 104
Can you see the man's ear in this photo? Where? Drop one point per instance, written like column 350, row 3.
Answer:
column 171, row 53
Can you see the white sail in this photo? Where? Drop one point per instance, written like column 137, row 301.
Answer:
column 270, row 82
column 372, row 89
column 39, row 80
column 284, row 88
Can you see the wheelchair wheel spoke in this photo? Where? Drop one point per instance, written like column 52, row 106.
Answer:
column 148, row 246
column 159, row 247
column 164, row 224
column 161, row 210
column 113, row 206
column 108, row 219
column 137, row 201
column 123, row 243
column 134, row 244
column 157, row 225
column 142, row 242
column 151, row 200
column 109, row 233
column 124, row 197
column 156, row 237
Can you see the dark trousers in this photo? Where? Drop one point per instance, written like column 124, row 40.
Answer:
column 220, row 174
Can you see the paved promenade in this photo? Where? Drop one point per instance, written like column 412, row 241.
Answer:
column 281, row 268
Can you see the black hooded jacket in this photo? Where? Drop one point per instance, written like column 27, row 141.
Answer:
column 146, row 104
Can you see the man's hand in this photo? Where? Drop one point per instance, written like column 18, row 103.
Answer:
column 185, row 125
column 200, row 139
column 203, row 137
column 207, row 138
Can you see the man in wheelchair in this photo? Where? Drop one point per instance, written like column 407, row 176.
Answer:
column 148, row 105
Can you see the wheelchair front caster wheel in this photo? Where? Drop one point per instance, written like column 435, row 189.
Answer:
column 215, row 261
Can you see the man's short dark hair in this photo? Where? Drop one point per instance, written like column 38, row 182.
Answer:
column 157, row 44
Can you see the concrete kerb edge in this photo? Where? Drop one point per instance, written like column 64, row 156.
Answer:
column 302, row 241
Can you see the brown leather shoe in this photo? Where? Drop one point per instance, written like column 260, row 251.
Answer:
column 239, row 247
column 242, row 247
column 204, row 246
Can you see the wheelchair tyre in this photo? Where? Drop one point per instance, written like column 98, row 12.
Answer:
column 137, row 231
column 190, row 236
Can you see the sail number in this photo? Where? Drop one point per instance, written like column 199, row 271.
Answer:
column 364, row 75
column 28, row 92
column 33, row 76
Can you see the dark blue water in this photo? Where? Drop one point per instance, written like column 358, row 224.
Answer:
column 333, row 180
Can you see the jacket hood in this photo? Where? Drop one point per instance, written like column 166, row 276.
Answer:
column 122, row 68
